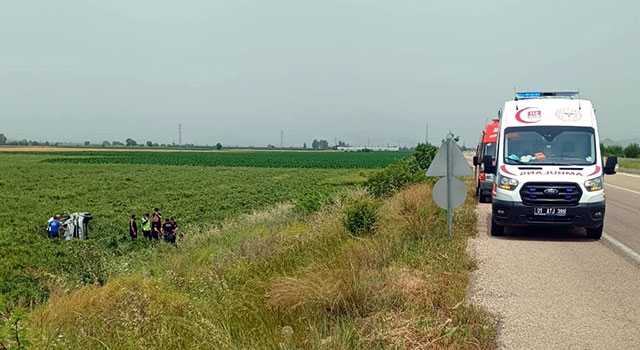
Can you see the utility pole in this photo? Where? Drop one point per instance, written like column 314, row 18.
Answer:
column 179, row 134
column 281, row 138
column 426, row 136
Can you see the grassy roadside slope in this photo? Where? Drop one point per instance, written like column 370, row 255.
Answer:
column 275, row 279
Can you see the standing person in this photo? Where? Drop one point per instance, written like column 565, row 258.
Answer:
column 146, row 227
column 156, row 223
column 55, row 226
column 156, row 232
column 175, row 225
column 48, row 224
column 167, row 232
column 133, row 227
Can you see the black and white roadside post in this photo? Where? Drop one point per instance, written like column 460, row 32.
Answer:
column 449, row 192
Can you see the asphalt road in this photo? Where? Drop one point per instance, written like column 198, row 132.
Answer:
column 622, row 217
column 556, row 289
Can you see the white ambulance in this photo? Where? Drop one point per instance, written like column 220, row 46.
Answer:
column 549, row 169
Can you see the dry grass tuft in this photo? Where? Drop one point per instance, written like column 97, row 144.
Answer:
column 335, row 291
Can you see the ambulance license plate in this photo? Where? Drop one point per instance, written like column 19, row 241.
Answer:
column 550, row 211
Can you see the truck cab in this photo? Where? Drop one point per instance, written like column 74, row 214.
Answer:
column 549, row 168
column 486, row 147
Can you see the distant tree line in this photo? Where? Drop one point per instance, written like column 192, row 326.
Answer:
column 23, row 142
column 129, row 142
column 630, row 151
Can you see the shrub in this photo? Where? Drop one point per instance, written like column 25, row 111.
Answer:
column 613, row 151
column 361, row 217
column 13, row 334
column 424, row 154
column 385, row 182
column 308, row 204
column 402, row 172
column 632, row 151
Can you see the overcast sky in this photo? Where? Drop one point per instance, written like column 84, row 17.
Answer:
column 362, row 71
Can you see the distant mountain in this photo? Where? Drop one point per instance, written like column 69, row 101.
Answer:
column 623, row 143
column 627, row 142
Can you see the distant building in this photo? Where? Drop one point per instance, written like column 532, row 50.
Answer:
column 358, row 148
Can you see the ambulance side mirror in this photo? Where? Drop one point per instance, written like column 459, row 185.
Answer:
column 489, row 166
column 611, row 167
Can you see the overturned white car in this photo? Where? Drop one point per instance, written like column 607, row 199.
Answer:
column 76, row 225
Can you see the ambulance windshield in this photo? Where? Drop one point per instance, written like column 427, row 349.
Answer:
column 550, row 145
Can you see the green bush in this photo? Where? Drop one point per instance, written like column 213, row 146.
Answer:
column 632, row 151
column 385, row 182
column 608, row 151
column 423, row 155
column 361, row 217
column 309, row 204
column 13, row 334
column 402, row 172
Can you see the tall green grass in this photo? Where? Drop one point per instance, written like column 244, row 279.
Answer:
column 629, row 163
column 282, row 279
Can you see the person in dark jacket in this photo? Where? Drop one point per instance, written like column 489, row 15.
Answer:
column 133, row 227
column 167, row 232
column 175, row 225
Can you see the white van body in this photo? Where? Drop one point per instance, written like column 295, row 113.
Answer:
column 549, row 169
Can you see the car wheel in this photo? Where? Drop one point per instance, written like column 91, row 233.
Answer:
column 496, row 230
column 595, row 233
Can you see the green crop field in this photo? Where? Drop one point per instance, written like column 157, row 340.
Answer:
column 261, row 159
column 199, row 189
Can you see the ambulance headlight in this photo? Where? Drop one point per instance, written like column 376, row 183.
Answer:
column 594, row 184
column 507, row 183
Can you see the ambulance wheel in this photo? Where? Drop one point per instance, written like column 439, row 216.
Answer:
column 496, row 230
column 595, row 233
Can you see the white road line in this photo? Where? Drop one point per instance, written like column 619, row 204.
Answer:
column 627, row 174
column 622, row 188
column 628, row 251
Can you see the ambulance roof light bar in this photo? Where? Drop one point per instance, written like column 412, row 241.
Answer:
column 557, row 94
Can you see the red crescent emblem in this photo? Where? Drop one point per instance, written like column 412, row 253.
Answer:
column 519, row 116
